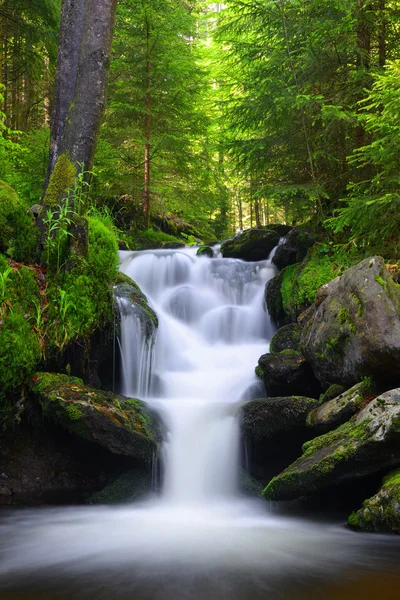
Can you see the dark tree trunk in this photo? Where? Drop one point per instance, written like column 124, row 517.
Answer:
column 82, row 127
column 72, row 22
column 147, row 127
column 83, row 60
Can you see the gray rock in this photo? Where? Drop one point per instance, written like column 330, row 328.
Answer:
column 261, row 419
column 286, row 338
column 294, row 248
column 355, row 330
column 287, row 374
column 368, row 443
column 334, row 412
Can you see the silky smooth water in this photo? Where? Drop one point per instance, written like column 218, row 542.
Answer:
column 200, row 538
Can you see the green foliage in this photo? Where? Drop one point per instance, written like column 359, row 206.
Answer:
column 18, row 235
column 372, row 208
column 88, row 287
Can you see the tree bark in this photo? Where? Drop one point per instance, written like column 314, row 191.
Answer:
column 71, row 29
column 82, row 65
column 147, row 126
column 84, row 117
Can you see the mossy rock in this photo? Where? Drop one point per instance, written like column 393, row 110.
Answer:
column 366, row 444
column 355, row 329
column 294, row 248
column 263, row 418
column 125, row 287
column 122, row 425
column 337, row 410
column 251, row 245
column 381, row 513
column 286, row 338
column 332, row 392
column 287, row 374
column 128, row 487
column 280, row 229
column 205, row 251
column 273, row 300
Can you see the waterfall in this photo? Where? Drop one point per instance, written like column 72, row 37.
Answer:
column 213, row 328
column 199, row 538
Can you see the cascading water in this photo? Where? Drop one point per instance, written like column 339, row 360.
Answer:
column 199, row 539
column 213, row 327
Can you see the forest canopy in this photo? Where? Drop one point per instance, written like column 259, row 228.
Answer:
column 222, row 116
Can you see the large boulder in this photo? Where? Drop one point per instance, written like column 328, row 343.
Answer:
column 355, row 330
column 287, row 374
column 294, row 248
column 286, row 338
column 368, row 443
column 263, row 418
column 381, row 513
column 251, row 245
column 124, row 426
column 336, row 411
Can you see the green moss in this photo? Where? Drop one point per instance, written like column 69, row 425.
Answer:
column 289, row 352
column 89, row 285
column 360, row 306
column 348, row 431
column 152, row 238
column 18, row 235
column 332, row 392
column 259, row 372
column 300, row 282
column 344, row 318
column 62, row 179
column 381, row 281
column 74, row 412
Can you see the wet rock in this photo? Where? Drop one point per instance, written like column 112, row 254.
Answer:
column 263, row 418
column 286, row 338
column 282, row 230
column 249, row 486
column 128, row 289
column 355, row 330
column 205, row 251
column 294, row 248
column 381, row 513
column 273, row 300
column 128, row 487
column 287, row 374
column 368, row 443
column 251, row 245
column 336, row 411
column 123, row 426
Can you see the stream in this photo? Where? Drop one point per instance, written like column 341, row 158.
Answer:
column 199, row 537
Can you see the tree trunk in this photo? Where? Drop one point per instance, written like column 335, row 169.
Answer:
column 83, row 60
column 147, row 126
column 382, row 33
column 71, row 29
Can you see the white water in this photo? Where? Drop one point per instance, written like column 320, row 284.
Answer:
column 213, row 328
